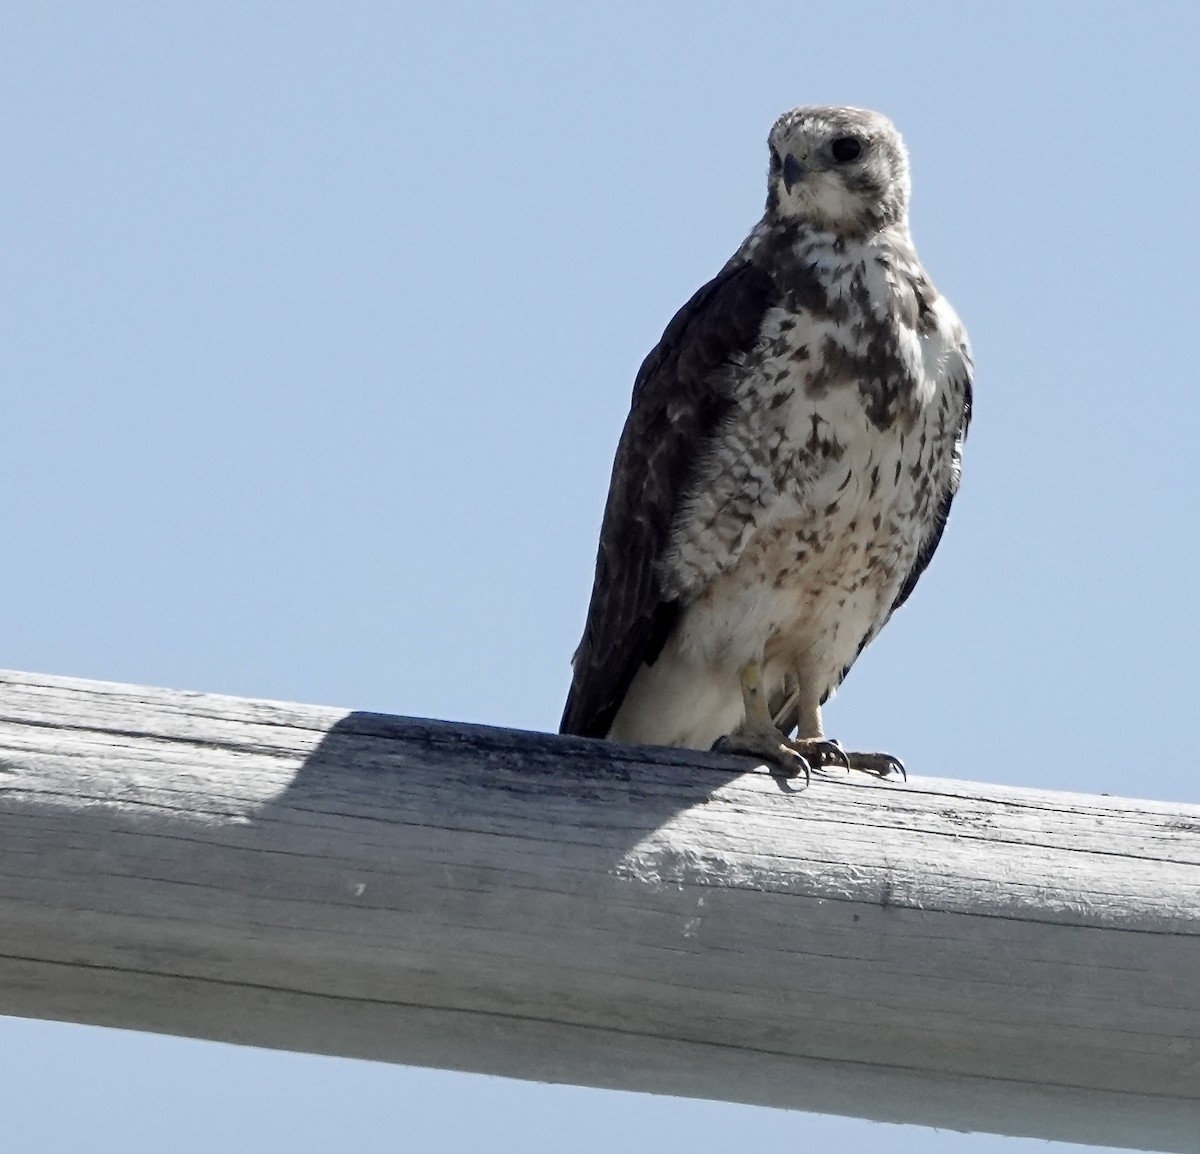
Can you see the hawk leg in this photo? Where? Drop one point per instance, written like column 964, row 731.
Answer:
column 760, row 735
column 808, row 723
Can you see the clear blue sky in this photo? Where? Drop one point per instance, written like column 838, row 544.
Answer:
column 318, row 328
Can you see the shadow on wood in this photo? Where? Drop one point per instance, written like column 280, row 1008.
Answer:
column 951, row 954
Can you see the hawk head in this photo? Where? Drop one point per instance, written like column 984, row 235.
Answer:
column 844, row 169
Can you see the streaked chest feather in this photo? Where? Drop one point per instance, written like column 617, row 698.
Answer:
column 812, row 506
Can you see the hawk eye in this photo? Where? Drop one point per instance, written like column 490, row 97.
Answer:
column 776, row 163
column 846, row 148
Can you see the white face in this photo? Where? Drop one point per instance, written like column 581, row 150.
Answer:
column 841, row 168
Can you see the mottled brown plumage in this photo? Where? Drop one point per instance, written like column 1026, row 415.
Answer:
column 677, row 406
column 788, row 463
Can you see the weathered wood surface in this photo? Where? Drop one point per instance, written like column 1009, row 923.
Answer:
column 954, row 954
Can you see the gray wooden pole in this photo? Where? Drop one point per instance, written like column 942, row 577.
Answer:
column 958, row 955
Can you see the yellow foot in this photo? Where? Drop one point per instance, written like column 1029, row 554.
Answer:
column 801, row 756
column 759, row 737
column 795, row 756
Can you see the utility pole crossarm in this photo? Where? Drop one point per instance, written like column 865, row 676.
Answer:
column 959, row 955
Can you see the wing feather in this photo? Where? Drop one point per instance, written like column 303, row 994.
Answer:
column 933, row 536
column 680, row 398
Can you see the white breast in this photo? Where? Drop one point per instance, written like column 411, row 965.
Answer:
column 802, row 576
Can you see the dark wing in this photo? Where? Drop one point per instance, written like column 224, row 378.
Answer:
column 934, row 536
column 680, row 398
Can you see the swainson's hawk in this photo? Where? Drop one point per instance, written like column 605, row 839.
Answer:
column 786, row 469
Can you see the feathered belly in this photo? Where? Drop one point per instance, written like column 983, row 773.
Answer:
column 801, row 607
column 804, row 595
column 798, row 579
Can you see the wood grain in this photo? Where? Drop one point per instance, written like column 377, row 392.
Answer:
column 942, row 952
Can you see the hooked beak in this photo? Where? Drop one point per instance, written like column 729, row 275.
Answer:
column 793, row 172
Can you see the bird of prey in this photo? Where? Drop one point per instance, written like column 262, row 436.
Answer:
column 786, row 469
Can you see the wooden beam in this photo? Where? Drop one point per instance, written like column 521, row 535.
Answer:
column 958, row 955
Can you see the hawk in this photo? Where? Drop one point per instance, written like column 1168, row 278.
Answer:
column 786, row 469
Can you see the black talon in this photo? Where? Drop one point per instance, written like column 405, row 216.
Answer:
column 881, row 765
column 842, row 755
column 803, row 767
